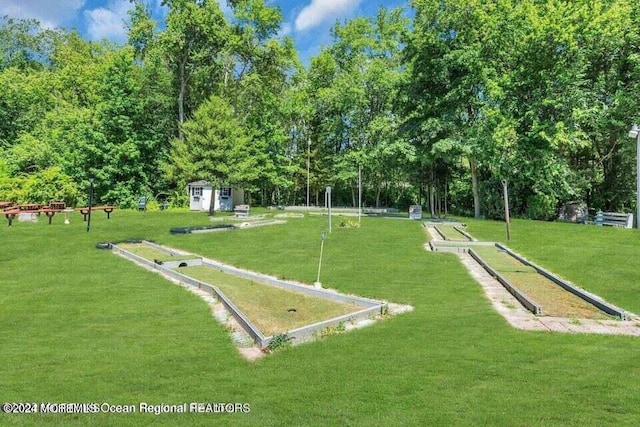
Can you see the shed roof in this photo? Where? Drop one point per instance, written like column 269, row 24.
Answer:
column 201, row 183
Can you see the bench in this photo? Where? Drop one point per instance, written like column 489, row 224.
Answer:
column 379, row 211
column 107, row 209
column 29, row 207
column 60, row 206
column 10, row 214
column 6, row 205
column 241, row 211
column 614, row 219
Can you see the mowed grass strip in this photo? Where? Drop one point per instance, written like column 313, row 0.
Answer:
column 152, row 254
column 271, row 309
column 451, row 233
column 554, row 300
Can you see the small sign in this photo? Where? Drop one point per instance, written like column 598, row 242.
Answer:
column 415, row 212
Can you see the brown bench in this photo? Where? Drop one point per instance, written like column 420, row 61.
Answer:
column 106, row 209
column 60, row 206
column 10, row 214
column 33, row 208
column 29, row 207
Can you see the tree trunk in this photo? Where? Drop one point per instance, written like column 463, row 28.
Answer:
column 446, row 194
column 432, row 209
column 181, row 96
column 475, row 189
column 212, row 201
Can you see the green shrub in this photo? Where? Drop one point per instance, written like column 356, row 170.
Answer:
column 47, row 185
column 541, row 206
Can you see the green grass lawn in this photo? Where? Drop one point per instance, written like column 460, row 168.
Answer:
column 78, row 324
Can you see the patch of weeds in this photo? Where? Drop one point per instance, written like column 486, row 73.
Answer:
column 349, row 224
column 279, row 342
column 575, row 321
column 332, row 330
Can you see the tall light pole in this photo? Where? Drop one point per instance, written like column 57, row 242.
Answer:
column 635, row 133
column 308, row 168
column 327, row 202
column 359, row 192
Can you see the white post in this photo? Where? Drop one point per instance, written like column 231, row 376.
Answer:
column 505, row 190
column 635, row 133
column 328, row 197
column 359, row 193
column 317, row 283
column 638, row 180
column 308, row 168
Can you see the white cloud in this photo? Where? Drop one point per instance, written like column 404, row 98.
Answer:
column 51, row 14
column 321, row 11
column 285, row 30
column 108, row 22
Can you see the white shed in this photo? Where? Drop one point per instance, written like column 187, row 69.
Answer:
column 225, row 198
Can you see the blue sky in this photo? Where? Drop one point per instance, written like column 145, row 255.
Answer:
column 307, row 21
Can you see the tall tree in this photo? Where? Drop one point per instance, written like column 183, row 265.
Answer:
column 357, row 81
column 195, row 35
column 214, row 146
column 260, row 68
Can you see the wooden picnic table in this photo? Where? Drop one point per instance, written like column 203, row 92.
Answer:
column 30, row 207
column 107, row 209
column 57, row 205
column 5, row 205
column 34, row 208
column 10, row 214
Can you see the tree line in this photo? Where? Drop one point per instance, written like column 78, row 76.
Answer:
column 433, row 105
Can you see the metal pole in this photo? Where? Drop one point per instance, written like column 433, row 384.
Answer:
column 329, row 198
column 90, row 203
column 638, row 181
column 308, row 168
column 505, row 190
column 359, row 193
column 317, row 283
